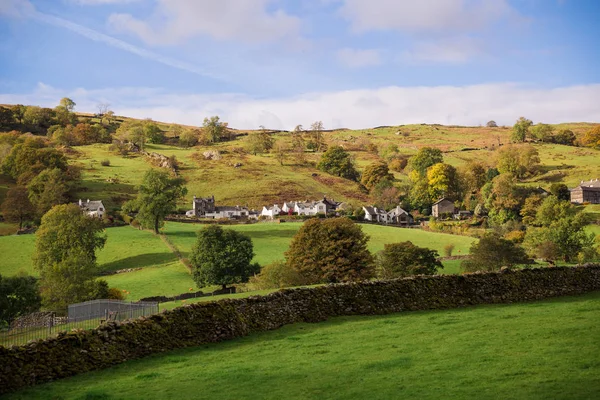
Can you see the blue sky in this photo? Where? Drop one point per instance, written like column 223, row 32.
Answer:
column 279, row 63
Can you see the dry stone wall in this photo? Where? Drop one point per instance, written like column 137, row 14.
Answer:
column 113, row 343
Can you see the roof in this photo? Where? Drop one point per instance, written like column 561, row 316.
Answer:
column 441, row 200
column 91, row 205
column 589, row 188
column 590, row 183
column 370, row 210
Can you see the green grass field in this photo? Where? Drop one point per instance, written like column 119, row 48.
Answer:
column 272, row 240
column 516, row 351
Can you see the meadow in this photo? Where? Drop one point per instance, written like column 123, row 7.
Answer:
column 515, row 351
column 162, row 273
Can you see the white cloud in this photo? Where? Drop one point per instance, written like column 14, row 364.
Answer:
column 357, row 58
column 456, row 50
column 175, row 21
column 16, row 8
column 420, row 16
column 467, row 105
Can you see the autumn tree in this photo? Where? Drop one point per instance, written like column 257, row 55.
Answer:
column 442, row 181
column 520, row 130
column 29, row 158
column 16, row 207
column 542, row 132
column 530, row 207
column 398, row 260
column 337, row 161
column 329, row 251
column 375, row 173
column 298, row 144
column 425, row 158
column 385, row 195
column 280, row 150
column 65, row 256
column 592, row 138
column 389, row 152
column 259, row 142
column 18, row 111
column 316, row 134
column 48, row 189
column 132, row 132
column 222, row 257
column 492, row 252
column 565, row 137
column 503, row 198
column 157, row 197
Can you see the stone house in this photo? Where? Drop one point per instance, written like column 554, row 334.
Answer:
column 586, row 192
column 400, row 216
column 92, row 208
column 206, row 208
column 442, row 207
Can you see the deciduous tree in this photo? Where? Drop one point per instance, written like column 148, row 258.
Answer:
column 398, row 260
column 492, row 252
column 157, row 197
column 16, row 207
column 214, row 129
column 592, row 138
column 337, row 161
column 520, row 161
column 222, row 257
column 520, row 130
column 330, row 250
column 19, row 295
column 442, row 181
column 375, row 173
column 425, row 158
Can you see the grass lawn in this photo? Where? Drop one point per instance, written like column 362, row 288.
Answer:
column 272, row 240
column 516, row 351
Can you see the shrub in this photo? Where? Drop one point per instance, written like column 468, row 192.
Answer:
column 493, row 252
column 448, row 249
column 105, row 163
column 116, row 294
column 515, row 236
column 276, row 275
column 398, row 164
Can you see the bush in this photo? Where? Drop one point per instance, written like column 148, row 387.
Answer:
column 105, row 163
column 515, row 236
column 404, row 259
column 276, row 275
column 116, row 294
column 448, row 249
column 398, row 164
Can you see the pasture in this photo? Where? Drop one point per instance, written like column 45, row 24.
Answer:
column 163, row 274
column 515, row 351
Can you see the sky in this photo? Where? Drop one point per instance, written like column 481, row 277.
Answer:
column 282, row 63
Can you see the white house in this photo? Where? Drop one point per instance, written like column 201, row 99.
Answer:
column 228, row 212
column 287, row 207
column 400, row 216
column 271, row 212
column 395, row 216
column 310, row 208
column 92, row 208
column 375, row 214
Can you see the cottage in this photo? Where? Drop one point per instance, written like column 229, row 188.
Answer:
column 271, row 212
column 310, row 208
column 586, row 192
column 442, row 207
column 206, row 208
column 92, row 208
column 288, row 207
column 202, row 206
column 400, row 216
column 375, row 214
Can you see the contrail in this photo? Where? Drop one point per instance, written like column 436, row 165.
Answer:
column 111, row 41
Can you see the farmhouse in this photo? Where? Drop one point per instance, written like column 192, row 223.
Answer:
column 400, row 216
column 442, row 207
column 586, row 192
column 92, row 208
column 206, row 208
column 395, row 216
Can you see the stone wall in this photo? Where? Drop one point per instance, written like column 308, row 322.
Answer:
column 195, row 324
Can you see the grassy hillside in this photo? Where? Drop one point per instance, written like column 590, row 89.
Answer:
column 261, row 180
column 495, row 352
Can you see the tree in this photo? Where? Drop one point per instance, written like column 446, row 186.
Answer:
column 337, row 161
column 157, row 197
column 520, row 130
column 65, row 255
column 542, row 132
column 398, row 260
column 259, row 142
column 520, row 161
column 16, row 206
column 48, row 189
column 276, row 275
column 6, row 117
column 67, row 104
column 29, row 158
column 474, row 176
column 375, row 173
column 552, row 209
column 19, row 295
column 214, row 129
column 492, row 252
column 592, row 138
column 491, row 124
column 425, row 158
column 530, row 208
column 18, row 112
column 442, row 180
column 385, row 195
column 132, row 132
column 329, row 251
column 38, row 118
column 316, row 130
column 188, row 138
column 564, row 136
column 389, row 152
column 561, row 191
column 102, row 108
column 298, row 144
column 222, row 257
column 280, row 149
column 153, row 132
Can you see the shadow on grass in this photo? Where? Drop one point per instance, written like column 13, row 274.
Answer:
column 141, row 260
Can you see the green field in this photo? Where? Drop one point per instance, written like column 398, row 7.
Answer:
column 272, row 240
column 163, row 274
column 516, row 351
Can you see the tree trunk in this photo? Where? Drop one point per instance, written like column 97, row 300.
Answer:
column 156, row 225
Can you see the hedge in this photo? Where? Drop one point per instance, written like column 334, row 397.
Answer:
column 196, row 324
